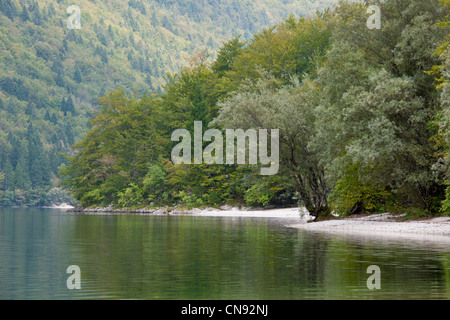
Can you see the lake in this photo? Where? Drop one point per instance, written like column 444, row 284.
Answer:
column 191, row 257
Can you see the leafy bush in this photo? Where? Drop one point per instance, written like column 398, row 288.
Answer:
column 350, row 195
column 190, row 200
column 155, row 183
column 258, row 195
column 130, row 197
column 445, row 210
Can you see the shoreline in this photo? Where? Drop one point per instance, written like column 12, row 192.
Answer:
column 374, row 224
column 382, row 225
column 224, row 211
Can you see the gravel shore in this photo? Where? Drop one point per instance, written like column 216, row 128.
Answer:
column 290, row 213
column 382, row 224
column 225, row 211
column 376, row 224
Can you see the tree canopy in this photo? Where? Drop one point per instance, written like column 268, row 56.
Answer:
column 362, row 115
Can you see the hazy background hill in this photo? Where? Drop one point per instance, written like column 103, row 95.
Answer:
column 51, row 77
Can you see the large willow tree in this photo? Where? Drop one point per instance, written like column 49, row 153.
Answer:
column 266, row 104
column 377, row 104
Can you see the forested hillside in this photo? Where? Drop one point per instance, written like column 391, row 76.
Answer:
column 363, row 116
column 51, row 76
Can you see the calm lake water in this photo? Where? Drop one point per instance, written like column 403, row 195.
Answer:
column 186, row 257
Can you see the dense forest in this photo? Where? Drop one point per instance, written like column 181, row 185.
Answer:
column 51, row 76
column 363, row 115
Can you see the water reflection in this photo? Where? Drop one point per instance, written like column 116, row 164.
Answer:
column 179, row 257
column 411, row 267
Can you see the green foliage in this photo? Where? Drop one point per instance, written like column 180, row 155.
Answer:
column 259, row 195
column 130, row 197
column 155, row 184
column 442, row 138
column 446, row 203
column 189, row 200
column 57, row 195
column 266, row 103
column 351, row 196
column 376, row 104
column 51, row 76
column 415, row 213
column 2, row 179
column 9, row 198
column 117, row 150
column 362, row 126
column 290, row 49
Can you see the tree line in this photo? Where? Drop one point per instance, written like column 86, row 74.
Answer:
column 362, row 114
column 51, row 76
